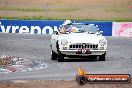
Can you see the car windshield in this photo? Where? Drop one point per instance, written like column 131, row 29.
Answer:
column 91, row 28
column 78, row 28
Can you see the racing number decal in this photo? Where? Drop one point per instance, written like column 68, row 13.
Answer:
column 83, row 51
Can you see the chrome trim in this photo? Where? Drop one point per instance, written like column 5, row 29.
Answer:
column 83, row 45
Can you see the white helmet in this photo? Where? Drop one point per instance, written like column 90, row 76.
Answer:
column 67, row 22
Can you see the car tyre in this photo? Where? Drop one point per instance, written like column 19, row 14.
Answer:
column 53, row 55
column 94, row 57
column 60, row 57
column 102, row 57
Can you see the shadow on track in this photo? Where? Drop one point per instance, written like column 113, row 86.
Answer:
column 80, row 60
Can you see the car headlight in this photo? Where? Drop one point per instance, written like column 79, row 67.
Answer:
column 102, row 42
column 64, row 42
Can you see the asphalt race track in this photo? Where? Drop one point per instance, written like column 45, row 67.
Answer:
column 37, row 47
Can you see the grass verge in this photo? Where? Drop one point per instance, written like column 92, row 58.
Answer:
column 56, row 18
column 64, row 9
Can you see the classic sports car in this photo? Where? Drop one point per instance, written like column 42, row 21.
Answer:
column 86, row 40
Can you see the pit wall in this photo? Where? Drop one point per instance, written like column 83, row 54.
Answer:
column 48, row 26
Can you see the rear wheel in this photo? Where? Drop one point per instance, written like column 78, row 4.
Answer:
column 53, row 55
column 102, row 57
column 60, row 57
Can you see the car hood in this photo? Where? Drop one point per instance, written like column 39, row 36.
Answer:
column 82, row 38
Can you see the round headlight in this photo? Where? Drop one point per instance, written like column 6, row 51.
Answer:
column 102, row 42
column 64, row 42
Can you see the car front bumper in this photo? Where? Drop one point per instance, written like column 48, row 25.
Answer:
column 74, row 52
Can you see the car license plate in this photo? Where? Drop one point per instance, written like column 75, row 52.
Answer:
column 83, row 51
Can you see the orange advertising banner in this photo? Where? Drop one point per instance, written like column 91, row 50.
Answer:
column 82, row 77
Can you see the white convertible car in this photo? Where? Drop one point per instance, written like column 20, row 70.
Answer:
column 86, row 40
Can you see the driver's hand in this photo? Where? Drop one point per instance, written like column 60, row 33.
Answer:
column 73, row 30
column 62, row 31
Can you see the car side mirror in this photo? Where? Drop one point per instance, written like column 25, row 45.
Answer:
column 55, row 32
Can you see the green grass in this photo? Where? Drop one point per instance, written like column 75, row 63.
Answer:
column 76, row 10
column 66, row 9
column 114, row 10
column 55, row 18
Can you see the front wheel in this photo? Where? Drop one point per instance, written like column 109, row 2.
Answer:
column 53, row 55
column 102, row 57
column 60, row 57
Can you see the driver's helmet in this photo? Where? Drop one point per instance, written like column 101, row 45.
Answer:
column 67, row 25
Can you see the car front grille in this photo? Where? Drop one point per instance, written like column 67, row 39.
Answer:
column 83, row 45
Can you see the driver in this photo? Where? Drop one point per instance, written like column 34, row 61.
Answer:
column 66, row 27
